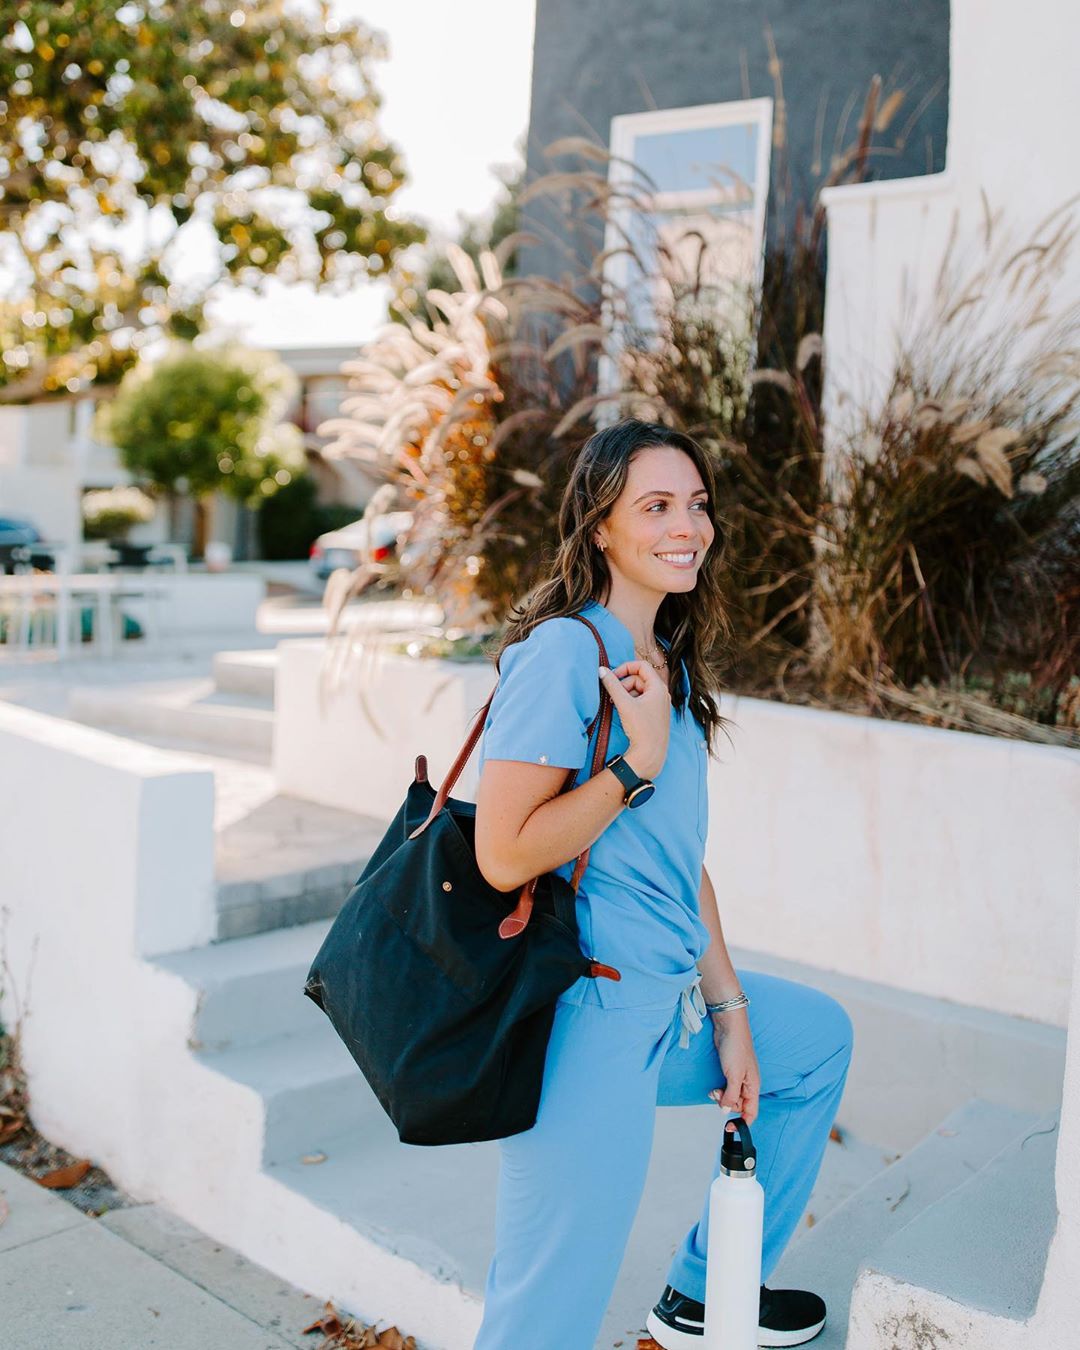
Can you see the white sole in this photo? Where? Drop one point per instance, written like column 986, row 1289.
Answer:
column 790, row 1337
column 671, row 1338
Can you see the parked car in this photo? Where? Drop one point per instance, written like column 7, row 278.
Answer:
column 22, row 541
column 349, row 546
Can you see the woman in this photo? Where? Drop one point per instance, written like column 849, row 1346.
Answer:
column 636, row 558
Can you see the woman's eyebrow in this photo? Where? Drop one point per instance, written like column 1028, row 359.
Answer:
column 662, row 492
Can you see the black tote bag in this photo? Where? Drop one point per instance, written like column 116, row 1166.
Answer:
column 441, row 987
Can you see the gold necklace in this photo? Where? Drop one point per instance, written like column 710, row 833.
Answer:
column 660, row 669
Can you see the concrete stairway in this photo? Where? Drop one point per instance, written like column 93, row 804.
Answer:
column 279, row 860
column 975, row 1257
column 899, row 1220
column 230, row 712
column 326, row 1140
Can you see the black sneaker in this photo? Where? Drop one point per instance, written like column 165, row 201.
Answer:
column 785, row 1317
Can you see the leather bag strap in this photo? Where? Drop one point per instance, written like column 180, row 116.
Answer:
column 517, row 920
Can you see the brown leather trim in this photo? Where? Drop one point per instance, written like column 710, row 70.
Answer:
column 597, row 968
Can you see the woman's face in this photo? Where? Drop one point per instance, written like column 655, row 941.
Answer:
column 658, row 530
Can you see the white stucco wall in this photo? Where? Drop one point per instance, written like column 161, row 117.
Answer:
column 1013, row 95
column 348, row 735
column 941, row 862
column 200, row 602
column 108, row 857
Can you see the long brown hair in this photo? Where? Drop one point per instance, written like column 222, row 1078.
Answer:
column 693, row 622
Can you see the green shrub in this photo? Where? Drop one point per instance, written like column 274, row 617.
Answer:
column 291, row 520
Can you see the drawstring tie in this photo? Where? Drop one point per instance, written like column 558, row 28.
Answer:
column 692, row 1011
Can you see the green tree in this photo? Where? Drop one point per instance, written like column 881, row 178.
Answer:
column 203, row 420
column 151, row 149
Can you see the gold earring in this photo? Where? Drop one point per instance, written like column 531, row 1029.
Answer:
column 600, row 546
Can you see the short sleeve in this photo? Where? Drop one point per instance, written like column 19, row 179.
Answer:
column 548, row 693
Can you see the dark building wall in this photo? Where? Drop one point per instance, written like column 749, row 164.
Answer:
column 594, row 59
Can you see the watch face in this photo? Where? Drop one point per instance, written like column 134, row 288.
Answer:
column 641, row 795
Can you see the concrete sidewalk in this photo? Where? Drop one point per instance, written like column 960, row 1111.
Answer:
column 135, row 1278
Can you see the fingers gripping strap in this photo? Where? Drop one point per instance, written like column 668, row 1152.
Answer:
column 516, row 921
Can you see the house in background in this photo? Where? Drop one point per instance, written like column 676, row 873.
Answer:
column 49, row 458
column 691, row 99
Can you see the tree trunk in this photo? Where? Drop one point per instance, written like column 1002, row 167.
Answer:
column 204, row 520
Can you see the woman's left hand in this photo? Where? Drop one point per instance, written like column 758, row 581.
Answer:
column 735, row 1047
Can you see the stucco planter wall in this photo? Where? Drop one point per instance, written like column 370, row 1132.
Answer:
column 198, row 602
column 328, row 749
column 940, row 862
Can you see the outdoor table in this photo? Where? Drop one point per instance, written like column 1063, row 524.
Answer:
column 106, row 590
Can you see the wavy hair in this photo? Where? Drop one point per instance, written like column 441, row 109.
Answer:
column 693, row 622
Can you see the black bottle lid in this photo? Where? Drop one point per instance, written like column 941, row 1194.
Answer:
column 738, row 1156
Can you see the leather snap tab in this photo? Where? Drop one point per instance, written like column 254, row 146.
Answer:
column 598, row 969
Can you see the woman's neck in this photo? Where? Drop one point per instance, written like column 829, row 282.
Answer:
column 636, row 611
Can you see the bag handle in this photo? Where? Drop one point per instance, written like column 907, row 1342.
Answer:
column 517, row 920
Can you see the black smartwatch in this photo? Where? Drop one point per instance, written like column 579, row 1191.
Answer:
column 638, row 789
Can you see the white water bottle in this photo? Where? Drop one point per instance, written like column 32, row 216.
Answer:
column 733, row 1259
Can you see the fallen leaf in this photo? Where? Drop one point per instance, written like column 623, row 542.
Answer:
column 328, row 1321
column 810, row 1221
column 313, row 1158
column 837, row 1134
column 61, row 1178
column 10, row 1128
column 392, row 1339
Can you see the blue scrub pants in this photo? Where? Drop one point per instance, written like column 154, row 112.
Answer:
column 569, row 1187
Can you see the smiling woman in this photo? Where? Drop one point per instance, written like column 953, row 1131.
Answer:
column 637, row 558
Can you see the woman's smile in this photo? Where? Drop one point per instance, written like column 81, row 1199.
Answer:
column 683, row 560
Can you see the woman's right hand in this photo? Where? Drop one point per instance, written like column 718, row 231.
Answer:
column 642, row 700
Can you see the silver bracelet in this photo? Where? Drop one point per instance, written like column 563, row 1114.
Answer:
column 740, row 1000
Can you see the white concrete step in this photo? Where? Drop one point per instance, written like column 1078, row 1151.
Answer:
column 982, row 1246
column 281, row 861
column 246, row 672
column 191, row 710
column 251, row 990
column 435, row 1206
column 284, row 899
column 432, row 1206
column 312, row 1091
column 828, row 1257
column 320, row 1139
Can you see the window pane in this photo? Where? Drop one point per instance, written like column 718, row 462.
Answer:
column 722, row 158
column 704, row 250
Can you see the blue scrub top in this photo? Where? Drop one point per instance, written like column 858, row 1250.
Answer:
column 637, row 904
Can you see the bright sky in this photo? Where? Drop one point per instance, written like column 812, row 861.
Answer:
column 456, row 102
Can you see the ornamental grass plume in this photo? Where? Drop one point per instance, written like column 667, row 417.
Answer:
column 951, row 545
column 468, row 420
column 733, row 360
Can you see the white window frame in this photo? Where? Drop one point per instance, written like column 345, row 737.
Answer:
column 625, row 128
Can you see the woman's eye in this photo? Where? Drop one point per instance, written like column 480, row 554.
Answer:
column 702, row 504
